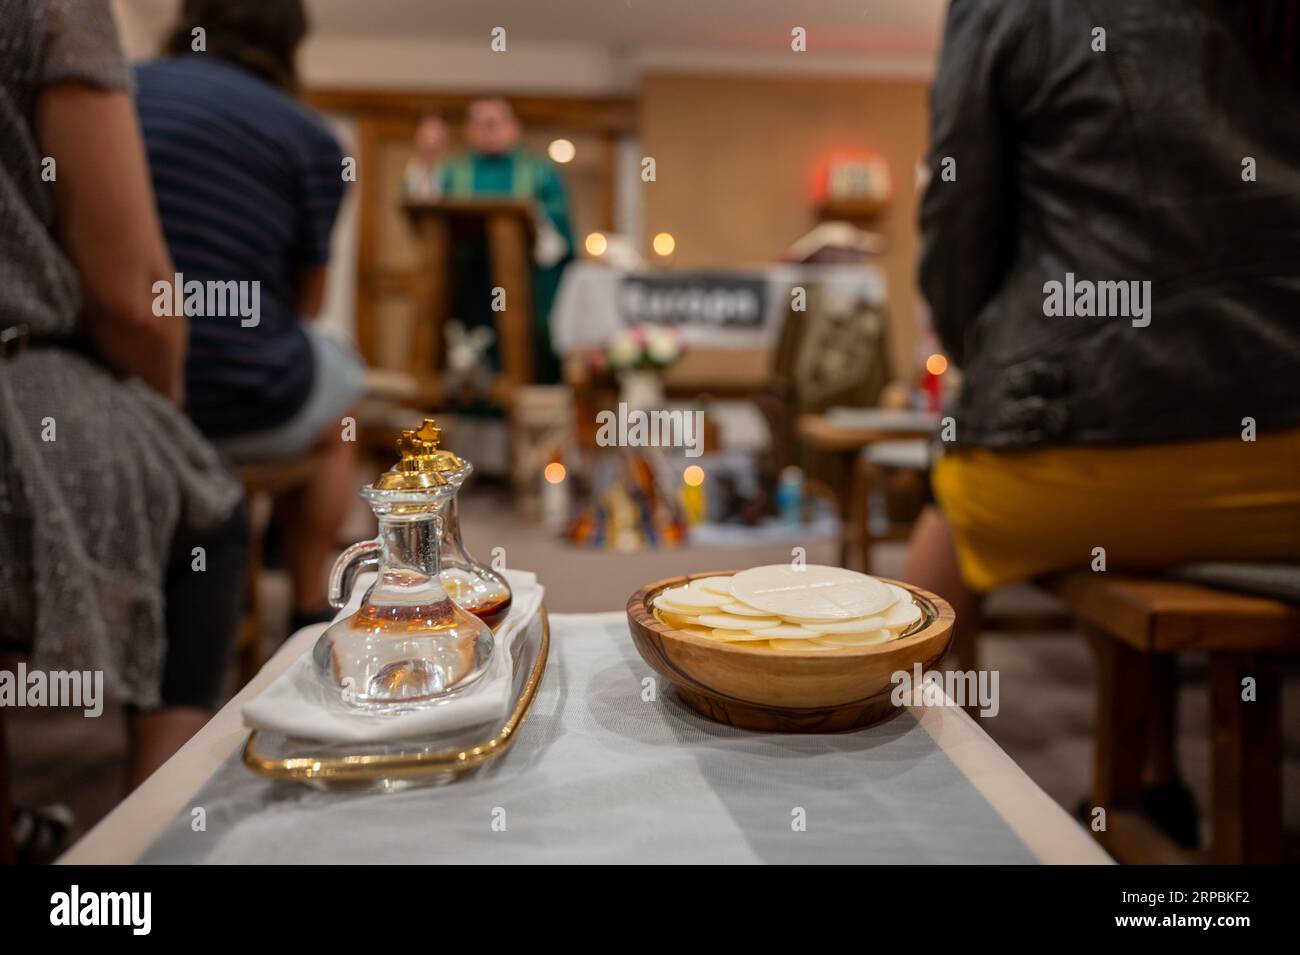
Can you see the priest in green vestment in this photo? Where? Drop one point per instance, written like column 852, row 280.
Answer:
column 497, row 165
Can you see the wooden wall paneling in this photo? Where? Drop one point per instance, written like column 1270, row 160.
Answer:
column 736, row 157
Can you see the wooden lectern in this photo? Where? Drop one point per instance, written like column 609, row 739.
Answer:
column 508, row 229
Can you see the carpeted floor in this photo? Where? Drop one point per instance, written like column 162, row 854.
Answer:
column 1045, row 721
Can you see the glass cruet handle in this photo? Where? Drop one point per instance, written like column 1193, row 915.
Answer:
column 354, row 560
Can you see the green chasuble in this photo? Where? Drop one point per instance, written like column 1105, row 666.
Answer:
column 520, row 175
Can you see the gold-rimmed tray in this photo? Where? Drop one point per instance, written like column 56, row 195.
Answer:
column 406, row 763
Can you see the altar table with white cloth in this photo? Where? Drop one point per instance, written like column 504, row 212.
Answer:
column 601, row 773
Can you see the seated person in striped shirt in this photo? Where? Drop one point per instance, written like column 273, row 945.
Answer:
column 248, row 184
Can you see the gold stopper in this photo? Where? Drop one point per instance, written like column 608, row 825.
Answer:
column 422, row 462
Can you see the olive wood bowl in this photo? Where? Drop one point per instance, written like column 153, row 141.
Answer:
column 757, row 688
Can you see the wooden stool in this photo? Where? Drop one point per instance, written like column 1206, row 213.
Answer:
column 1137, row 626
column 842, row 442
column 910, row 457
column 263, row 480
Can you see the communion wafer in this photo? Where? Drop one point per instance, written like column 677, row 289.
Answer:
column 902, row 593
column 738, row 636
column 682, row 624
column 677, row 620
column 713, row 585
column 787, row 631
column 897, row 621
column 904, row 611
column 726, row 621
column 811, row 593
column 902, row 615
column 811, row 621
column 684, row 600
column 898, row 616
column 855, row 639
column 744, row 610
column 857, row 625
column 800, row 646
column 663, row 604
column 689, row 600
column 697, row 632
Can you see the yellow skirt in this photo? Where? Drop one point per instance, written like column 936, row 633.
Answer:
column 1019, row 514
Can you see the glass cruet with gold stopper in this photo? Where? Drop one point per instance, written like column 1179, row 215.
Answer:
column 475, row 586
column 409, row 642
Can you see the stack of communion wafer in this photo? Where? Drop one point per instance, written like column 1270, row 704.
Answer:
column 790, row 608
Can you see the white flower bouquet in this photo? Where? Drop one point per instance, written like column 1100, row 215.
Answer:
column 643, row 348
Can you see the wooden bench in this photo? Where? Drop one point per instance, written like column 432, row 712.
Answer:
column 1137, row 627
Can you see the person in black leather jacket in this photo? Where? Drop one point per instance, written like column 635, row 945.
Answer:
column 1111, row 254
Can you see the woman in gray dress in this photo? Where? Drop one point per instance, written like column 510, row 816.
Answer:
column 121, row 542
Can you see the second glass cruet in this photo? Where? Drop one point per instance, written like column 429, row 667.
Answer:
column 474, row 585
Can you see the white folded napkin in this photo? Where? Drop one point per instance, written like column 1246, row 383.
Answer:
column 299, row 704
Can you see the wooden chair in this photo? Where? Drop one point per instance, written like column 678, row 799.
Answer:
column 1137, row 627
column 262, row 481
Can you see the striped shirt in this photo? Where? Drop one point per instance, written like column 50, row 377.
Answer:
column 248, row 184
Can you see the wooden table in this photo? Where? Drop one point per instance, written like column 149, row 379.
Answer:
column 843, row 435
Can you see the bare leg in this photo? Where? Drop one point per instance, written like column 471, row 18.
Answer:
column 313, row 516
column 932, row 565
column 157, row 735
